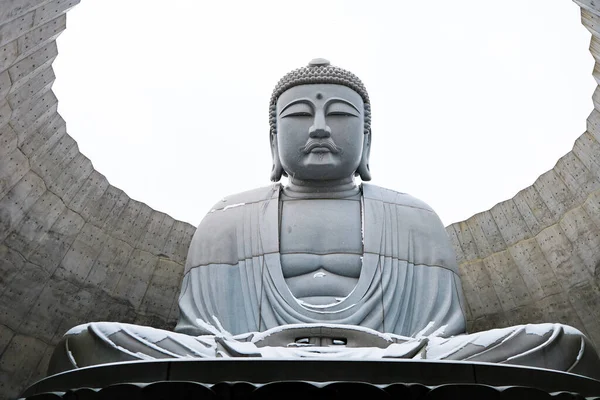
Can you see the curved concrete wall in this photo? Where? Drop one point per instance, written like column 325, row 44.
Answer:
column 74, row 249
column 536, row 257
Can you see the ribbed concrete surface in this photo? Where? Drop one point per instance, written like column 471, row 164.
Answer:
column 536, row 257
column 74, row 249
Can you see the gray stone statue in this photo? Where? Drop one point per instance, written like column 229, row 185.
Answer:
column 323, row 266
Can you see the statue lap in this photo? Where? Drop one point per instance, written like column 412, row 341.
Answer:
column 553, row 346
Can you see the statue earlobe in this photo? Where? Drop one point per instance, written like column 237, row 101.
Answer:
column 363, row 169
column 277, row 169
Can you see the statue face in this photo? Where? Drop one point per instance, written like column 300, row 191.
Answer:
column 320, row 131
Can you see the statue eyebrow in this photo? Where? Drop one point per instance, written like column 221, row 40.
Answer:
column 340, row 100
column 308, row 101
column 302, row 100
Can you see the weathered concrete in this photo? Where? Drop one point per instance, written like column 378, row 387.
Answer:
column 536, row 257
column 74, row 249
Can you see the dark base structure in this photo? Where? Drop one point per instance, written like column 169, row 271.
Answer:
column 314, row 379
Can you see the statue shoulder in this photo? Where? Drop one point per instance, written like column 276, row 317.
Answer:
column 216, row 239
column 247, row 197
column 375, row 192
column 430, row 244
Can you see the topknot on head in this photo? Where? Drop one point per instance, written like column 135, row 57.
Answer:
column 318, row 62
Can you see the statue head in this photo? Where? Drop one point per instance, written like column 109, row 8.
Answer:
column 320, row 120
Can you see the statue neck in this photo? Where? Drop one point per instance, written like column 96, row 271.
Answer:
column 342, row 188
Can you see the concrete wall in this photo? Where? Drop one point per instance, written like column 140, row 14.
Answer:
column 74, row 249
column 536, row 257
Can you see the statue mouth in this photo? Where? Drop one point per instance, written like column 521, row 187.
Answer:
column 320, row 146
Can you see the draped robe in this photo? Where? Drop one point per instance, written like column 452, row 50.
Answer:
column 409, row 283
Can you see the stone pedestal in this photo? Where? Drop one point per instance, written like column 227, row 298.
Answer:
column 260, row 378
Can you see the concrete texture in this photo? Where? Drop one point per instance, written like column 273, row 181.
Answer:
column 74, row 249
column 536, row 257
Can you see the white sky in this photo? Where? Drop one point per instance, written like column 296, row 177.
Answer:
column 471, row 100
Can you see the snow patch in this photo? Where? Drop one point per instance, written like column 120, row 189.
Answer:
column 246, row 348
column 555, row 332
column 222, row 330
column 581, row 351
column 321, row 308
column 206, row 340
column 77, row 329
column 362, row 220
column 106, row 328
column 207, row 327
column 145, row 356
column 394, row 350
column 233, row 206
column 399, row 350
column 72, row 359
column 317, row 306
column 148, row 333
column 227, row 207
column 539, row 329
column 571, row 331
column 439, row 331
column 389, row 337
column 492, row 336
column 149, row 338
column 423, row 332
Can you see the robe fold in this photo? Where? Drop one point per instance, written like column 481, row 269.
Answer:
column 409, row 283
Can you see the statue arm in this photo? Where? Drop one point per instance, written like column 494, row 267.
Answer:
column 213, row 282
column 212, row 244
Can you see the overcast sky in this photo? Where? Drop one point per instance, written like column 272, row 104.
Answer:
column 471, row 100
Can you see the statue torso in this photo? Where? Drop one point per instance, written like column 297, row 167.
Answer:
column 270, row 244
column 321, row 247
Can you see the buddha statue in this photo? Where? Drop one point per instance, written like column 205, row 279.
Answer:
column 323, row 266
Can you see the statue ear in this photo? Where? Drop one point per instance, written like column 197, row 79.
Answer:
column 363, row 168
column 277, row 169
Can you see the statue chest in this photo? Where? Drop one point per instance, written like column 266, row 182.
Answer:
column 321, row 248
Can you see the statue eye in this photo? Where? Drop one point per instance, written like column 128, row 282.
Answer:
column 341, row 109
column 341, row 113
column 298, row 114
column 297, row 110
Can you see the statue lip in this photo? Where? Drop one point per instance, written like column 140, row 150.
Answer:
column 320, row 146
column 321, row 149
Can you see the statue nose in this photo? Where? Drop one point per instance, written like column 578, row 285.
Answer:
column 319, row 133
column 319, row 129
